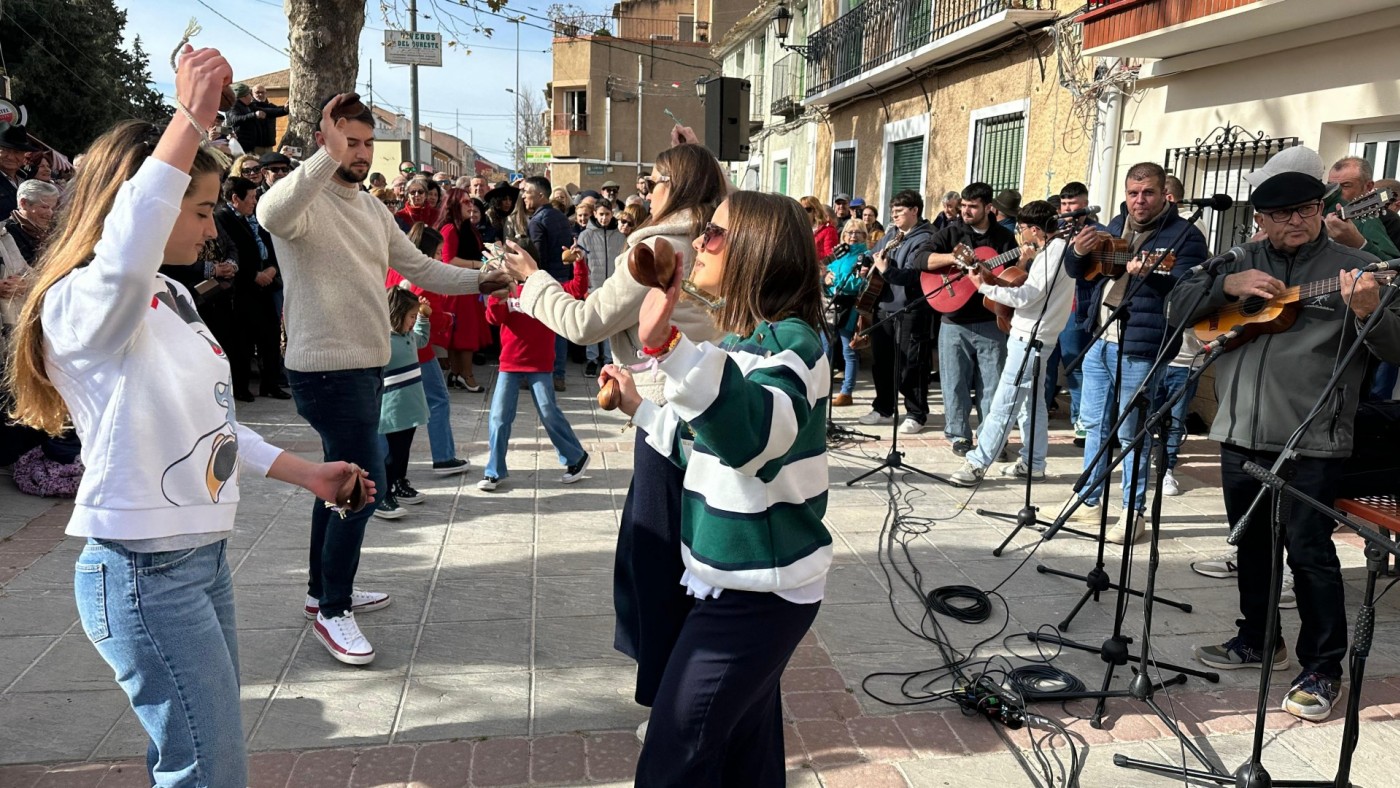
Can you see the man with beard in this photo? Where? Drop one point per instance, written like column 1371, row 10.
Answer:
column 336, row 244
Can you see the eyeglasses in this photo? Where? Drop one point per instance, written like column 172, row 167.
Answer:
column 710, row 235
column 1304, row 212
column 854, row 234
column 659, row 179
column 624, row 221
column 277, row 170
column 252, row 170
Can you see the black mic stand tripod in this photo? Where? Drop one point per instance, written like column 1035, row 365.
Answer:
column 1252, row 774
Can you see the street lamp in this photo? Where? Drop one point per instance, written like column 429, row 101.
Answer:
column 782, row 25
column 515, row 154
column 700, row 84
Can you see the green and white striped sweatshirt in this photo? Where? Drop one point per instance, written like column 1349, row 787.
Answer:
column 756, row 475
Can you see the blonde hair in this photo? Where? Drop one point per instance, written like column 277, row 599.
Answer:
column 241, row 162
column 111, row 161
column 816, row 212
column 855, row 225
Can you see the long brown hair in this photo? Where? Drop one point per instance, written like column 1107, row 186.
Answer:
column 697, row 183
column 770, row 264
column 111, row 161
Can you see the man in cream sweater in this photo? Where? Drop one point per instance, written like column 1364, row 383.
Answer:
column 336, row 244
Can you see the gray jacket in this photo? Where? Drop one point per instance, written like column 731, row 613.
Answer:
column 1266, row 388
column 602, row 247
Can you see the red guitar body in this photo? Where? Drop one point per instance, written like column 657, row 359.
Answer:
column 950, row 289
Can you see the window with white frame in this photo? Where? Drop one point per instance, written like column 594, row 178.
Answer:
column 997, row 145
column 843, row 168
column 1381, row 149
column 905, row 158
column 780, row 176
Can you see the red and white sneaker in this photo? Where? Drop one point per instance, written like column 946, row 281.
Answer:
column 342, row 638
column 360, row 602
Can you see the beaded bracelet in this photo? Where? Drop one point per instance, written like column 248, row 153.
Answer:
column 666, row 347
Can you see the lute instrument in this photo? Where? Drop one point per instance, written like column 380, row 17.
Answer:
column 1249, row 318
column 869, row 297
column 1110, row 257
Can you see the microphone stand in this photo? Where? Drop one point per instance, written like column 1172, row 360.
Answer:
column 894, row 460
column 1252, row 773
column 837, row 433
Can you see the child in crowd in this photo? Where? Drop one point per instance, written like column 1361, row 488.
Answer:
column 527, row 358
column 440, row 440
column 404, row 406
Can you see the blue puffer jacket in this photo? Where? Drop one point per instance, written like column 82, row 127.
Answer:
column 1147, row 322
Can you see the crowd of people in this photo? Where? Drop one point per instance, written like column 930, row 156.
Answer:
column 145, row 288
column 173, row 267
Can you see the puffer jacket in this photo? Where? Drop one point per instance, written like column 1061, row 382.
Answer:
column 611, row 311
column 601, row 245
column 1147, row 322
column 1267, row 387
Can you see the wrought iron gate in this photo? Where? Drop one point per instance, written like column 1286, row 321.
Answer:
column 1217, row 164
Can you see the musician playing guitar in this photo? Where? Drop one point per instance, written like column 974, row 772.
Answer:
column 1151, row 227
column 1265, row 389
column 899, row 258
column 1042, row 305
column 971, row 348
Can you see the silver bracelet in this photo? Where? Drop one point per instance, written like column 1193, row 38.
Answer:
column 200, row 130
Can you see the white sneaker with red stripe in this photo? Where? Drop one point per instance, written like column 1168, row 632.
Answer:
column 342, row 638
column 360, row 602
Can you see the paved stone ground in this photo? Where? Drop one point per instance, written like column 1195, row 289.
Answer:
column 495, row 662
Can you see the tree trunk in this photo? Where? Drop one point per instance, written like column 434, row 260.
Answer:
column 323, row 39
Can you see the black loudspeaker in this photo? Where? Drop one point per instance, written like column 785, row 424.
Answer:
column 727, row 118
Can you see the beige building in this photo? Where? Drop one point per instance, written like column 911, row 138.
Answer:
column 931, row 96
column 614, row 74
column 1214, row 89
column 782, row 132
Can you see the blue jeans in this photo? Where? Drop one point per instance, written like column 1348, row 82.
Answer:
column 852, row 358
column 1100, row 366
column 503, row 404
column 1013, row 399
column 1383, row 383
column 561, row 355
column 439, row 412
column 1172, row 381
column 1072, row 343
column 600, row 349
column 343, row 407
column 164, row 623
column 970, row 356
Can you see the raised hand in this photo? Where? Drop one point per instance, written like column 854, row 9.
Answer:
column 332, row 129
column 200, row 81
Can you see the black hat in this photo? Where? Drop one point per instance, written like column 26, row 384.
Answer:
column 1287, row 189
column 16, row 138
column 1008, row 203
column 502, row 189
column 274, row 158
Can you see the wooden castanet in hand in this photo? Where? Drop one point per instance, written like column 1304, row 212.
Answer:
column 609, row 396
column 653, row 268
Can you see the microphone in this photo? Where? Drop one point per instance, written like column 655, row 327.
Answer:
column 1388, row 265
column 1089, row 210
column 840, row 250
column 1220, row 202
column 1235, row 253
column 1218, row 345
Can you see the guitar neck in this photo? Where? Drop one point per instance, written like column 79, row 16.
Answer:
column 1321, row 287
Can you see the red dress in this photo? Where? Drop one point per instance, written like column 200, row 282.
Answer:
column 470, row 331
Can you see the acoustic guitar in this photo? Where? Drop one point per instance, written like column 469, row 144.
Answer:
column 1110, row 258
column 1007, row 275
column 1255, row 317
column 869, row 297
column 1370, row 204
column 949, row 289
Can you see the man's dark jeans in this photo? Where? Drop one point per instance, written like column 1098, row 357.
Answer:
column 343, row 407
column 1317, row 573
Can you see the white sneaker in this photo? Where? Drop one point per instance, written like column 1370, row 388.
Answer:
column 642, row 731
column 1223, row 567
column 360, row 602
column 910, row 427
column 1118, row 534
column 1086, row 514
column 342, row 638
column 968, row 475
column 1169, row 485
column 874, row 417
column 1286, row 598
column 488, row 483
column 1018, row 470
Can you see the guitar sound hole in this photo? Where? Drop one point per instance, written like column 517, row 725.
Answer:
column 1253, row 305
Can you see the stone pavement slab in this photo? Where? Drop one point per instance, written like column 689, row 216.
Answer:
column 495, row 664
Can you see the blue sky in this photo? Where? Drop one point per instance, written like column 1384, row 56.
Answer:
column 473, row 84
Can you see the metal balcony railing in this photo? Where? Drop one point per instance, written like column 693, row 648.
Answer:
column 758, row 110
column 682, row 29
column 570, row 121
column 878, row 31
column 787, row 86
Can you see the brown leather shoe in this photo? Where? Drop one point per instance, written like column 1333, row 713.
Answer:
column 841, row 401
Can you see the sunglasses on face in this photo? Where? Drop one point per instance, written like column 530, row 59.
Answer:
column 659, row 179
column 712, row 238
column 277, row 170
column 416, row 191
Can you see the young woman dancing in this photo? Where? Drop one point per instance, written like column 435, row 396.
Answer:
column 106, row 341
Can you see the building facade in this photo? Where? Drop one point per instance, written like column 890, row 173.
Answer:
column 931, row 95
column 1212, row 90
column 782, row 132
column 636, row 69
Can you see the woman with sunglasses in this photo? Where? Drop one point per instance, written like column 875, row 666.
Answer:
column 823, row 231
column 687, row 184
column 745, row 421
column 416, row 207
column 247, row 166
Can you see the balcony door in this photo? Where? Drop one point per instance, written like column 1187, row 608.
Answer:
column 1381, row 148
